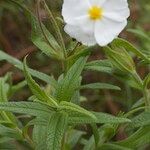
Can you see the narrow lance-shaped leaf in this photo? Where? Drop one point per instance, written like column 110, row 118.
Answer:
column 55, row 130
column 137, row 139
column 99, row 65
column 18, row 64
column 129, row 47
column 56, row 27
column 73, row 137
column 141, row 34
column 30, row 108
column 36, row 90
column 100, row 86
column 5, row 116
column 12, row 133
column 70, row 107
column 141, row 120
column 52, row 49
column 107, row 118
column 67, row 86
column 3, row 90
column 138, row 103
column 17, row 87
column 81, row 51
column 146, row 83
column 112, row 146
column 120, row 59
column 39, row 134
column 100, row 118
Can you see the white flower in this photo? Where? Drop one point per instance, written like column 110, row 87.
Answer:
column 95, row 21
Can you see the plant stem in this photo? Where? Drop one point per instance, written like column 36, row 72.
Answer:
column 41, row 27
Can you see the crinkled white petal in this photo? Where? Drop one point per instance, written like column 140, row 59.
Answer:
column 77, row 33
column 115, row 4
column 116, row 16
column 85, row 24
column 73, row 9
column 106, row 30
column 97, row 2
column 117, row 10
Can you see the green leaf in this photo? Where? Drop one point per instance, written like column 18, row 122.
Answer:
column 73, row 108
column 107, row 118
column 39, row 133
column 99, row 65
column 127, row 79
column 139, row 138
column 120, row 59
column 19, row 65
column 80, row 51
column 100, row 118
column 39, row 136
column 55, row 130
column 47, row 44
column 139, row 103
column 3, row 90
column 5, row 139
column 141, row 120
column 80, row 119
column 112, row 146
column 129, row 47
column 38, row 121
column 12, row 133
column 8, row 146
column 67, row 86
column 146, row 83
column 89, row 144
column 106, row 132
column 17, row 87
column 100, row 86
column 10, row 59
column 30, row 108
column 73, row 137
column 140, row 34
column 36, row 89
column 56, row 28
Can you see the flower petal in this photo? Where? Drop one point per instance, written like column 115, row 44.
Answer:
column 85, row 24
column 97, row 2
column 106, row 30
column 77, row 33
column 115, row 4
column 117, row 10
column 73, row 9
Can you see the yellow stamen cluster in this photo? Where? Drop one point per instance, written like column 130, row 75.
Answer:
column 95, row 13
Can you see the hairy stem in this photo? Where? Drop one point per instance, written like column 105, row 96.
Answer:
column 40, row 24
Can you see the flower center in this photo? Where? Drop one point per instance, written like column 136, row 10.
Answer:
column 95, row 13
